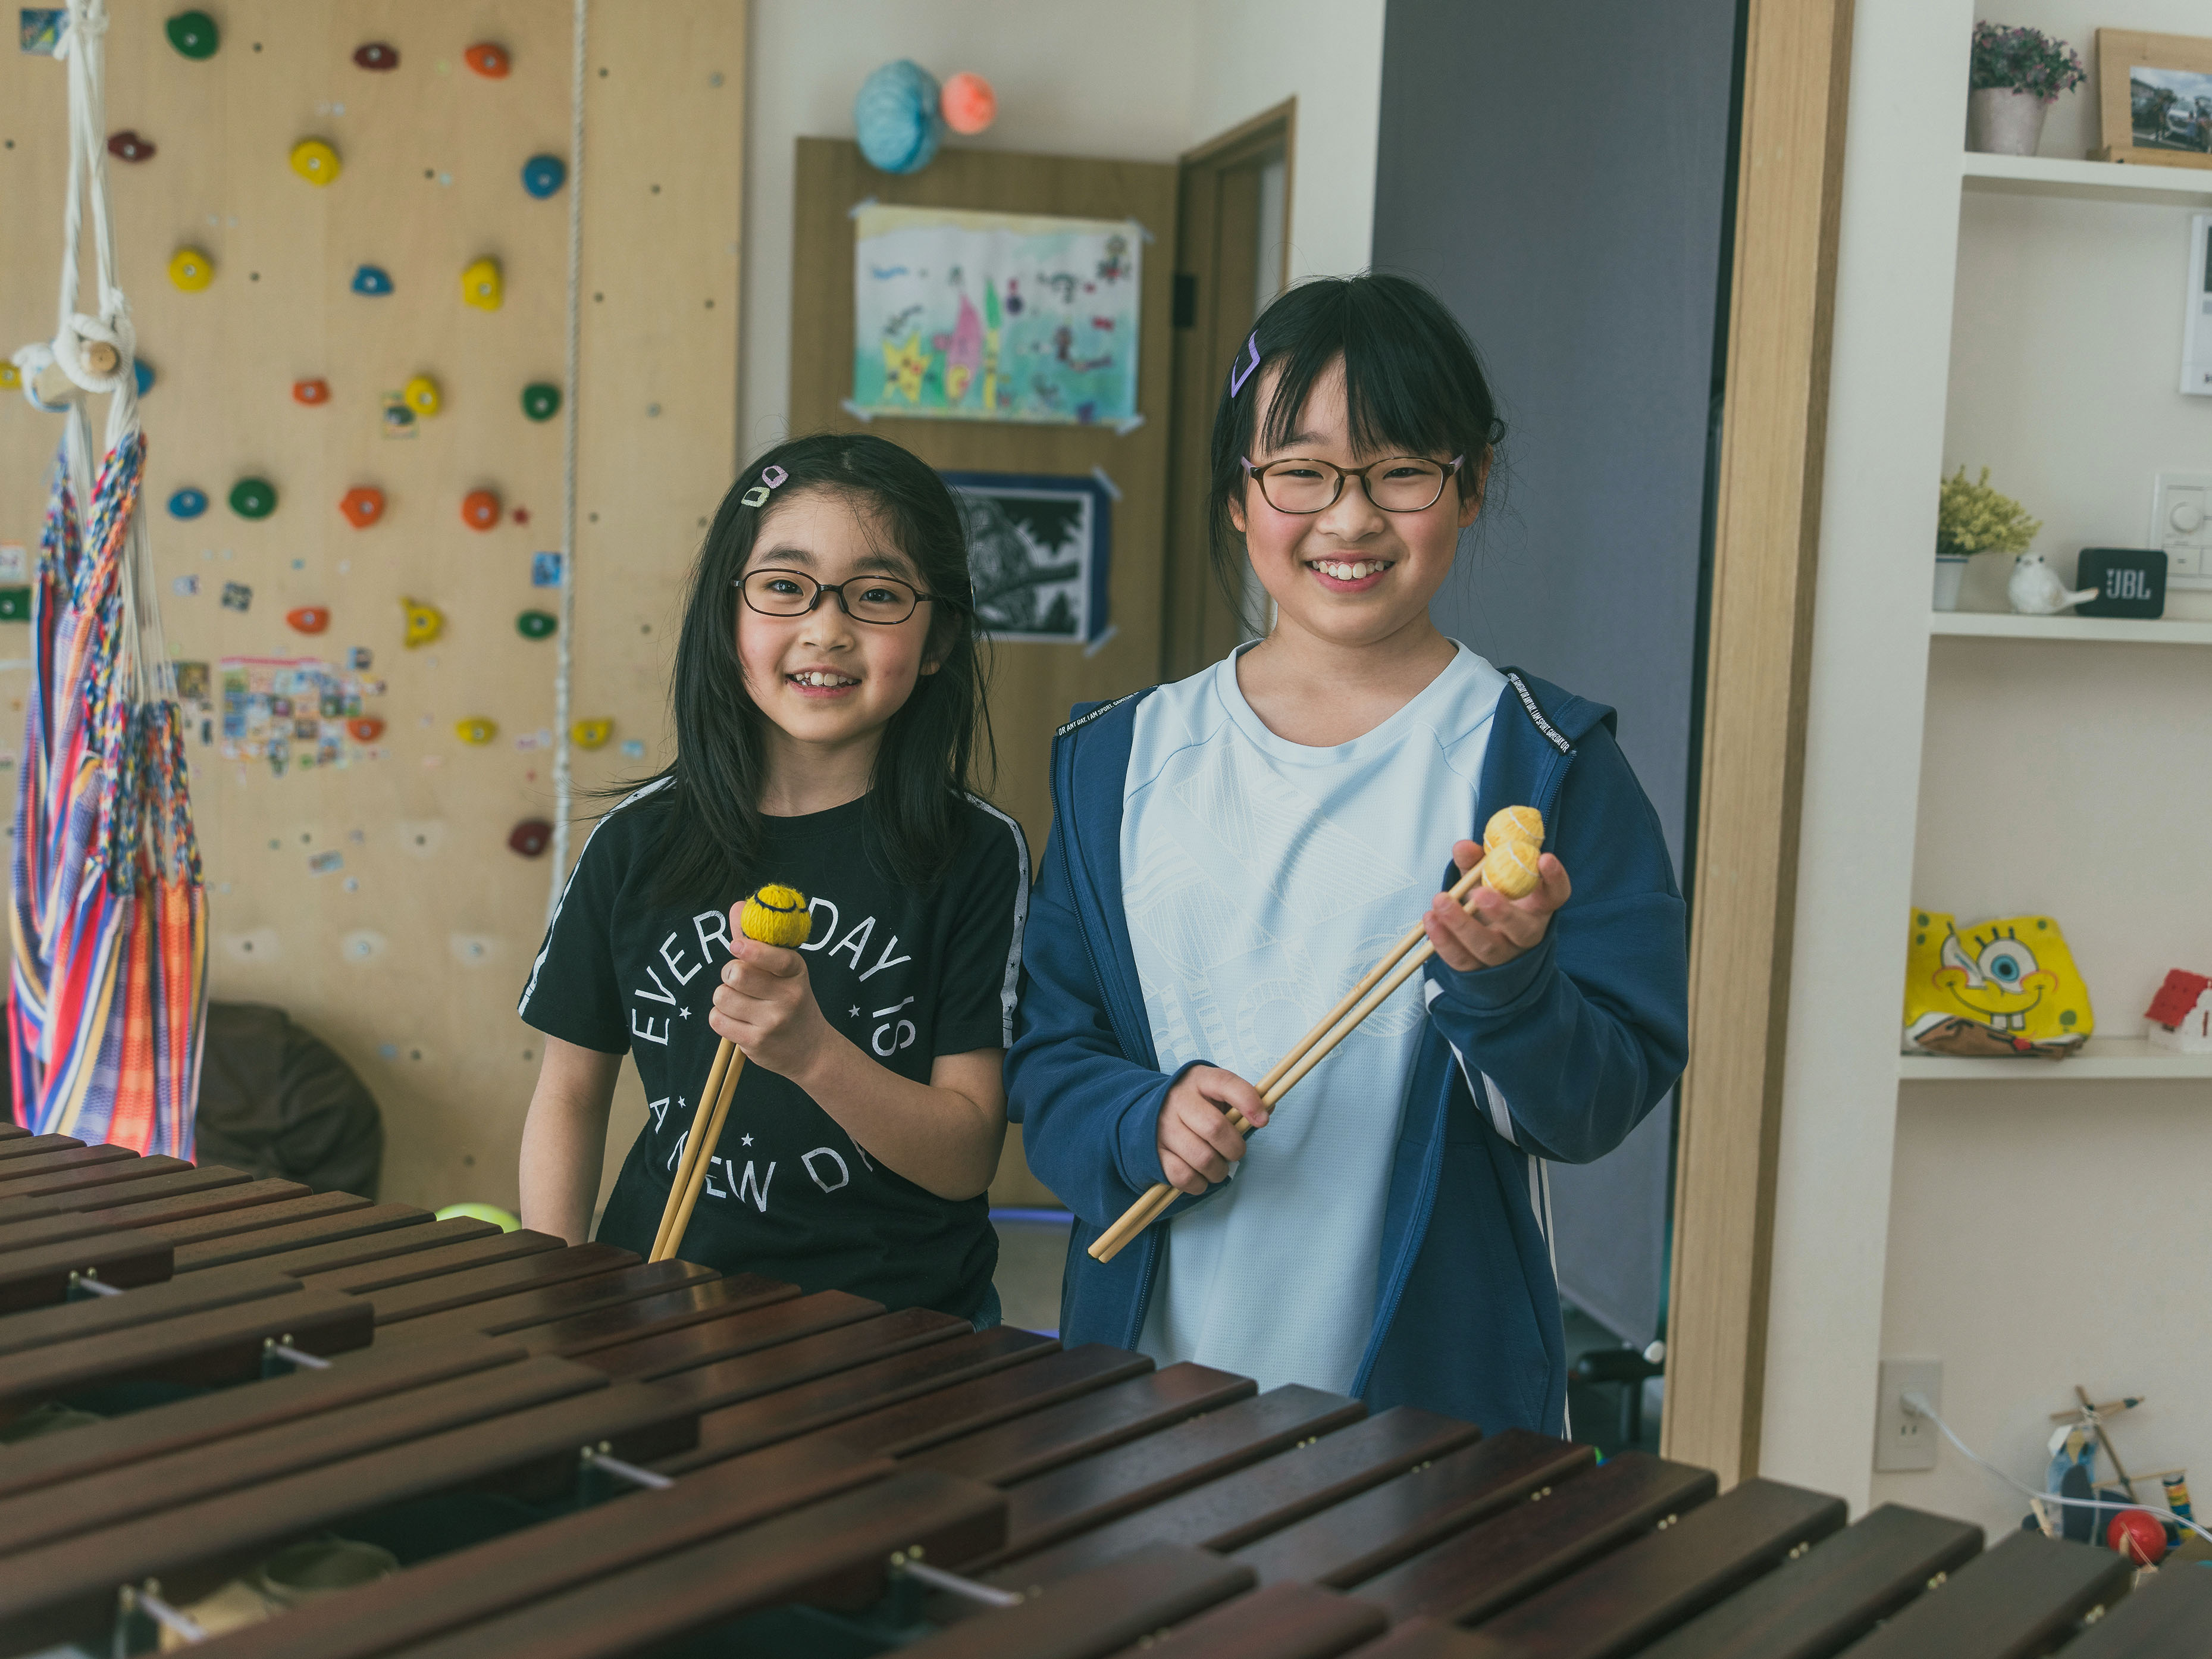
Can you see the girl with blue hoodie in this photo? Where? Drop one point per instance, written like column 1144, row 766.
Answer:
column 1232, row 852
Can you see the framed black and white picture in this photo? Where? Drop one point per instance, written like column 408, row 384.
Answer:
column 1039, row 548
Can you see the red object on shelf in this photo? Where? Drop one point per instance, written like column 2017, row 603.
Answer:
column 480, row 509
column 128, row 146
column 365, row 728
column 2136, row 1534
column 363, row 506
column 533, row 836
column 2177, row 996
column 376, row 56
column 488, row 60
column 309, row 618
column 311, row 391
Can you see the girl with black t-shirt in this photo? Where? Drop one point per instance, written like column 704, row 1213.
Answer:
column 827, row 699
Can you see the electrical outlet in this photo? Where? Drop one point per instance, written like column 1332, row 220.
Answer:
column 1901, row 1440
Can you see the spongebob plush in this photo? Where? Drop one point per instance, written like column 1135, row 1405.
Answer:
column 2007, row 987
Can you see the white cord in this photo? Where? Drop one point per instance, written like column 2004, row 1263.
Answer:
column 1917, row 1403
column 563, row 636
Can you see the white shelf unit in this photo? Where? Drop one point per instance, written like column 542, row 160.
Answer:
column 2106, row 181
column 2111, row 1059
column 2104, row 630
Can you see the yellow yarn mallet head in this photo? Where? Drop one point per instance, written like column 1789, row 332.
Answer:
column 777, row 915
column 1513, row 824
column 1512, row 841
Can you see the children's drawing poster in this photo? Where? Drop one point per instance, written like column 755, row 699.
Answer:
column 963, row 315
column 1037, row 549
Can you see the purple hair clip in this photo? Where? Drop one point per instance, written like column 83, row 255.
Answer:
column 1240, row 372
column 770, row 478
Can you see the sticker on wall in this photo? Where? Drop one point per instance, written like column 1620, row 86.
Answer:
column 254, row 498
column 480, row 509
column 424, row 623
column 128, row 146
column 324, row 864
column 193, row 681
column 237, row 596
column 376, row 54
column 193, row 33
column 633, row 748
column 488, row 60
column 545, row 570
column 187, row 503
column 316, row 391
column 190, row 269
column 373, row 280
column 40, row 29
column 481, row 285
column 184, row 587
column 421, row 395
column 294, row 713
column 14, row 561
column 359, row 658
column 2007, row 987
column 541, row 400
column 542, row 175
column 315, row 160
column 362, row 505
column 530, row 837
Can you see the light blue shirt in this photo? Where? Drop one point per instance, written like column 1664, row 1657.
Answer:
column 1261, row 878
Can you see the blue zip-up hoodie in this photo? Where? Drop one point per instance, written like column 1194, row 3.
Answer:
column 1557, row 1055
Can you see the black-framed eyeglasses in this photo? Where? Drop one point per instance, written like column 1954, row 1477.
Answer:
column 884, row 600
column 1397, row 484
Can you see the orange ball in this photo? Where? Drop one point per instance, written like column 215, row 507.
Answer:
column 966, row 102
column 480, row 509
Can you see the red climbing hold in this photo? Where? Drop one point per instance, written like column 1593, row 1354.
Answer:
column 309, row 618
column 488, row 60
column 531, row 837
column 363, row 506
column 480, row 509
column 376, row 56
column 311, row 391
column 365, row 728
column 128, row 146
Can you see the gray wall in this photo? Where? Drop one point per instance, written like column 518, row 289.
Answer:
column 1556, row 172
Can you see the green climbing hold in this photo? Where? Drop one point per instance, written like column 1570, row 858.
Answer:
column 254, row 498
column 193, row 33
column 541, row 400
column 536, row 624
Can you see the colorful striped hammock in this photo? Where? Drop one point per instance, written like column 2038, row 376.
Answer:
column 108, row 995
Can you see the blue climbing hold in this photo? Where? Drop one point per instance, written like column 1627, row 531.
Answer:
column 188, row 503
column 544, row 174
column 143, row 372
column 895, row 117
column 371, row 279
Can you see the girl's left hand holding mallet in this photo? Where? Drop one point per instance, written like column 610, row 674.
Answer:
column 769, row 922
column 1494, row 929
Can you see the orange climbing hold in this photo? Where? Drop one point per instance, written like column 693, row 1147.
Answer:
column 488, row 60
column 365, row 728
column 309, row 618
column 480, row 509
column 363, row 505
column 311, row 391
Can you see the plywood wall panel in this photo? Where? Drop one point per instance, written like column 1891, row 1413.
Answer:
column 409, row 958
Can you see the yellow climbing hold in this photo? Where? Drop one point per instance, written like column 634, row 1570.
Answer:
column 590, row 734
column 475, row 729
column 191, row 269
column 777, row 915
column 315, row 160
column 424, row 623
column 421, row 395
column 480, row 285
column 10, row 377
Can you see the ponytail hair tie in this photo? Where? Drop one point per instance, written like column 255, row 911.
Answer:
column 770, row 477
column 1240, row 372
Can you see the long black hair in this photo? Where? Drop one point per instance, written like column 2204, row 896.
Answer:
column 1413, row 385
column 711, row 835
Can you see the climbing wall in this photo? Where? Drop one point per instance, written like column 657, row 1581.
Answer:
column 356, row 792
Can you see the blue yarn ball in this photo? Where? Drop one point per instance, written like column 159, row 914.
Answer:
column 895, row 119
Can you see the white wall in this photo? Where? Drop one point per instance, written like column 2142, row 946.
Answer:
column 1142, row 80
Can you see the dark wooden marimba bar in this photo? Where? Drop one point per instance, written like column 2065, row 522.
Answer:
column 575, row 1453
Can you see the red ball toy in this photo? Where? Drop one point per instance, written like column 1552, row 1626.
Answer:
column 967, row 103
column 2136, row 1534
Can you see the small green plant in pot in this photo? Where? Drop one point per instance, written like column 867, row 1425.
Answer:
column 2016, row 75
column 1971, row 518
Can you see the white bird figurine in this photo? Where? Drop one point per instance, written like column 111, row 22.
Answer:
column 2036, row 590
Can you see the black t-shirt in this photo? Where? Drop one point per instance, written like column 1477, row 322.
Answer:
column 908, row 975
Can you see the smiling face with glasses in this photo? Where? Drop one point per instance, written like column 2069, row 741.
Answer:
column 833, row 624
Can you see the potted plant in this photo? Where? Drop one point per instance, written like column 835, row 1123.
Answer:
column 1971, row 518
column 2017, row 75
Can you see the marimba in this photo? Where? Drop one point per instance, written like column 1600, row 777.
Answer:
column 575, row 1453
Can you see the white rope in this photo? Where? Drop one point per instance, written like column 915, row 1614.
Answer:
column 564, row 636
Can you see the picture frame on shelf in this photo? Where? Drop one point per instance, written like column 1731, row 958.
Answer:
column 2154, row 99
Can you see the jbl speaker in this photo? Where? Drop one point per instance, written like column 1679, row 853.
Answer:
column 2130, row 581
